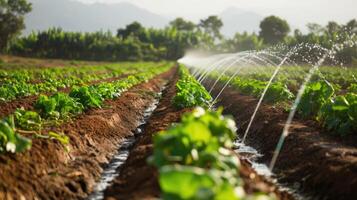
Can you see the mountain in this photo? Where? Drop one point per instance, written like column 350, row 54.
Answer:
column 238, row 20
column 73, row 15
column 76, row 16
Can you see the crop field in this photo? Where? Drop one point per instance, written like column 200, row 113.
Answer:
column 142, row 130
column 174, row 100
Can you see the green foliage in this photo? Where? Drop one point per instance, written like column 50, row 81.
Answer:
column 87, row 96
column 190, row 93
column 58, row 106
column 181, row 25
column 12, row 19
column 183, row 182
column 212, row 26
column 352, row 88
column 315, row 96
column 273, row 30
column 277, row 92
column 10, row 141
column 133, row 43
column 195, row 160
column 336, row 113
column 27, row 120
column 339, row 114
column 199, row 133
column 62, row 106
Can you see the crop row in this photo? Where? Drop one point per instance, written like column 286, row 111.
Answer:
column 335, row 111
column 293, row 76
column 19, row 83
column 195, row 157
column 189, row 92
column 52, row 110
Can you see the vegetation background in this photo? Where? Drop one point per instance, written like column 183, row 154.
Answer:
column 136, row 42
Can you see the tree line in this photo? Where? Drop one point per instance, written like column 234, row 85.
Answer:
column 135, row 42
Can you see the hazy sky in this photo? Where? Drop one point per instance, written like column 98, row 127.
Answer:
column 297, row 12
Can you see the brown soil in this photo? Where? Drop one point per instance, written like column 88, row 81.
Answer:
column 255, row 183
column 7, row 108
column 17, row 62
column 138, row 180
column 320, row 165
column 48, row 172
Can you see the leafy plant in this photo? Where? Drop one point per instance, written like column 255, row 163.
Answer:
column 10, row 141
column 340, row 114
column 314, row 97
column 190, row 93
column 60, row 105
column 276, row 92
column 27, row 120
column 352, row 88
column 184, row 182
column 87, row 96
column 195, row 160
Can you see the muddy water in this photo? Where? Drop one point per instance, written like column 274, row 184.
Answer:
column 113, row 169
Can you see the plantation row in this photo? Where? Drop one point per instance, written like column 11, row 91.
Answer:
column 26, row 82
column 334, row 106
column 195, row 157
column 340, row 77
column 53, row 110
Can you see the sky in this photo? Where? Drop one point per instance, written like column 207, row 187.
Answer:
column 297, row 12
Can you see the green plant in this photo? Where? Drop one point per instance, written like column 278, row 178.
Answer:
column 190, row 93
column 340, row 114
column 10, row 141
column 314, row 97
column 194, row 158
column 87, row 96
column 185, row 182
column 60, row 105
column 27, row 120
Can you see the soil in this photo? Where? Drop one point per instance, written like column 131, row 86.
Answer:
column 27, row 102
column 47, row 171
column 138, row 180
column 318, row 164
column 17, row 62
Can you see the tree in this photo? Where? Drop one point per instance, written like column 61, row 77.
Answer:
column 212, row 26
column 315, row 28
column 182, row 25
column 332, row 28
column 11, row 19
column 351, row 26
column 273, row 30
column 133, row 29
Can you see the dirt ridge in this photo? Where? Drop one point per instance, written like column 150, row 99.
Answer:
column 320, row 165
column 48, row 172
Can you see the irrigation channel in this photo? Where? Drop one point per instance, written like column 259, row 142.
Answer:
column 113, row 169
column 292, row 153
column 307, row 162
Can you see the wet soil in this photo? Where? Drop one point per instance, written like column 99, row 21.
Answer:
column 138, row 180
column 47, row 171
column 314, row 162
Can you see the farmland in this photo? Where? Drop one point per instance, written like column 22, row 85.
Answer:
column 61, row 127
column 188, row 109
